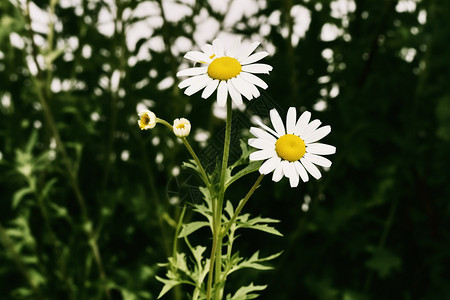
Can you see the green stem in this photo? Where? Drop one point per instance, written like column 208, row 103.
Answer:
column 177, row 232
column 241, row 205
column 197, row 161
column 219, row 204
column 191, row 151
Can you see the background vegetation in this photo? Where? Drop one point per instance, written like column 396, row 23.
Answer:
column 84, row 194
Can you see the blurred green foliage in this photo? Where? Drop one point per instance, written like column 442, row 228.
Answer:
column 376, row 225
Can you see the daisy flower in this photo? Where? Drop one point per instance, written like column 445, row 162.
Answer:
column 291, row 151
column 147, row 119
column 229, row 71
column 181, row 127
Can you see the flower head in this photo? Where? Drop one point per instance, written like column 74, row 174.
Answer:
column 291, row 150
column 181, row 127
column 230, row 71
column 147, row 119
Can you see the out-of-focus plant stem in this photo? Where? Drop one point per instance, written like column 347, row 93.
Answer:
column 41, row 89
column 54, row 239
column 8, row 244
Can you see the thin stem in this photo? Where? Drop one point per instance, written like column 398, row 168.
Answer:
column 219, row 204
column 191, row 151
column 177, row 232
column 241, row 205
column 197, row 161
column 8, row 244
column 211, row 267
column 381, row 243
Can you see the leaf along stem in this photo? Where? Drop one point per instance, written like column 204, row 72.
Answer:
column 241, row 205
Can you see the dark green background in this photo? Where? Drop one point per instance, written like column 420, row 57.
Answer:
column 377, row 225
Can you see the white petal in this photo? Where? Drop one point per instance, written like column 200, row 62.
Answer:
column 257, row 121
column 270, row 165
column 258, row 132
column 321, row 149
column 262, row 154
column 277, row 122
column 289, row 169
column 257, row 68
column 210, row 88
column 218, row 48
column 254, row 79
column 189, row 81
column 291, row 120
column 233, row 51
column 318, row 134
column 301, row 171
column 252, row 88
column 193, row 71
column 302, row 122
column 197, row 56
column 197, row 86
column 312, row 169
column 278, row 173
column 254, row 58
column 318, row 160
column 293, row 179
column 246, row 50
column 309, row 129
column 235, row 95
column 222, row 93
column 208, row 49
column 261, row 144
column 241, row 87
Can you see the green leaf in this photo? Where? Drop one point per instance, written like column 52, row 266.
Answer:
column 245, row 292
column 383, row 262
column 168, row 285
column 250, row 168
column 255, row 262
column 229, row 209
column 48, row 186
column 19, row 195
column 265, row 228
column 258, row 223
column 192, row 227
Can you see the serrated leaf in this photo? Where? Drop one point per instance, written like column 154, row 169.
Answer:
column 192, row 227
column 250, row 168
column 168, row 285
column 258, row 223
column 229, row 209
column 265, row 228
column 205, row 211
column 245, row 292
column 255, row 262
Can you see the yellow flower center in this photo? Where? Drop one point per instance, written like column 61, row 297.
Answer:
column 224, row 68
column 145, row 119
column 180, row 126
column 290, row 147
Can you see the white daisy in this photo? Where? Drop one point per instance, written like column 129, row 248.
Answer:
column 229, row 71
column 147, row 119
column 181, row 127
column 291, row 151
